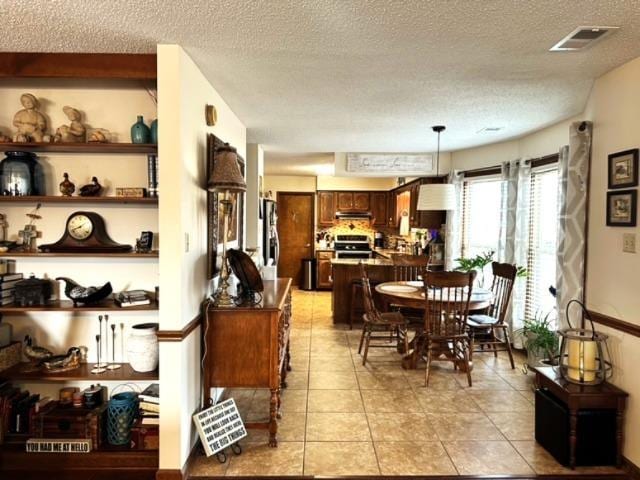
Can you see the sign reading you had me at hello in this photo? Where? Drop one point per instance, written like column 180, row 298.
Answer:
column 45, row 445
column 219, row 426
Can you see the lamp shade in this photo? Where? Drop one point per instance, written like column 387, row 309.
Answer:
column 226, row 175
column 437, row 196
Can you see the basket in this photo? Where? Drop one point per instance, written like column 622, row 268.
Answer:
column 121, row 414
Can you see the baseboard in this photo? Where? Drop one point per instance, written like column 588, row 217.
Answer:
column 632, row 469
column 180, row 474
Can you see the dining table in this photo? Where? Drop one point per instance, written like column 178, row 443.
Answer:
column 411, row 295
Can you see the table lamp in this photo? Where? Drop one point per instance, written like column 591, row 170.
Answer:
column 226, row 178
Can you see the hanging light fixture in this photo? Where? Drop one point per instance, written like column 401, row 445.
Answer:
column 437, row 196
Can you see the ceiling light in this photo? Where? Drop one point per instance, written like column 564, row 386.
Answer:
column 437, row 196
column 582, row 37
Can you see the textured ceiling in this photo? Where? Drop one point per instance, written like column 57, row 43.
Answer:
column 340, row 75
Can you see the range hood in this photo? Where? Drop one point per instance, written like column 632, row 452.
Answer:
column 354, row 215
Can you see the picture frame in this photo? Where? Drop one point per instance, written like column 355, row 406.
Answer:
column 622, row 208
column 623, row 169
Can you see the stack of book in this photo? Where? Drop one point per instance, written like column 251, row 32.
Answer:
column 152, row 174
column 150, row 405
column 132, row 298
column 7, row 283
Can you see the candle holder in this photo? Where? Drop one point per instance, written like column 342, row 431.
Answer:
column 584, row 353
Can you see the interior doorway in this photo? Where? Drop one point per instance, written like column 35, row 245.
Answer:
column 295, row 231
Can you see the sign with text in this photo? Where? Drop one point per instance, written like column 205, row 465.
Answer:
column 219, row 426
column 45, row 445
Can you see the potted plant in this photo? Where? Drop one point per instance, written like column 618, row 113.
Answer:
column 540, row 340
column 477, row 263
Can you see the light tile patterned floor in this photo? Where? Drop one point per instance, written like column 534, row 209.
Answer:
column 343, row 418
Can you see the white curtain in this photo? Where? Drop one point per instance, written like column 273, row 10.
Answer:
column 453, row 238
column 514, row 242
column 573, row 171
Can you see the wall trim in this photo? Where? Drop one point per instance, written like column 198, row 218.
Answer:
column 180, row 473
column 615, row 323
column 179, row 335
column 632, row 469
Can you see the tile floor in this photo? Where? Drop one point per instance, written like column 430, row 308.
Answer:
column 343, row 418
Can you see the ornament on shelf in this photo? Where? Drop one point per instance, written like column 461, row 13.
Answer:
column 30, row 234
column 31, row 124
column 99, row 135
column 67, row 187
column 140, row 133
column 142, row 347
column 85, row 295
column 92, row 189
column 75, row 132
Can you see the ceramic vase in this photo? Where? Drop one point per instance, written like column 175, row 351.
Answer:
column 140, row 133
column 142, row 347
column 154, row 132
column 21, row 174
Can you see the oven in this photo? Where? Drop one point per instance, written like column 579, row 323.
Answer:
column 344, row 254
column 353, row 247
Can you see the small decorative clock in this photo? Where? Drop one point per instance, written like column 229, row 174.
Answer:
column 85, row 232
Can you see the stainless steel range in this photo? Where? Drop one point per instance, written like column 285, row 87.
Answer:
column 352, row 246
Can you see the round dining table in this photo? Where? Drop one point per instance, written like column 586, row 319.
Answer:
column 412, row 295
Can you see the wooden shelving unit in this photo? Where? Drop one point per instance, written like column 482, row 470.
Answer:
column 79, row 200
column 67, row 306
column 104, row 148
column 125, row 373
column 129, row 255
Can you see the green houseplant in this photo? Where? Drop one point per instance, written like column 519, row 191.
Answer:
column 540, row 340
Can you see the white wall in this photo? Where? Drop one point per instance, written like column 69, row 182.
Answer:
column 612, row 276
column 289, row 183
column 108, row 104
column 254, row 173
column 183, row 92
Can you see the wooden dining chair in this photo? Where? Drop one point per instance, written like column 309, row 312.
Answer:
column 388, row 326
column 447, row 296
column 408, row 268
column 489, row 329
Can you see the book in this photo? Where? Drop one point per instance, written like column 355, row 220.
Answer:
column 6, row 300
column 9, row 277
column 132, row 298
column 150, row 407
column 6, row 293
column 150, row 421
column 151, row 394
column 152, row 175
column 8, row 285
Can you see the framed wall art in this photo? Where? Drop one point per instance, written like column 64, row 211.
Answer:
column 214, row 219
column 622, row 208
column 623, row 169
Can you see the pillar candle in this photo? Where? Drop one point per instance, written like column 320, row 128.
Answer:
column 582, row 357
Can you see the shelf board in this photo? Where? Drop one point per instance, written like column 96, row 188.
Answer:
column 81, row 200
column 130, row 255
column 17, row 373
column 67, row 306
column 130, row 148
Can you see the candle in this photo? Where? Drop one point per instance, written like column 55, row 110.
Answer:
column 582, row 357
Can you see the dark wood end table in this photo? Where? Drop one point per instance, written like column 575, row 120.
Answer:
column 579, row 397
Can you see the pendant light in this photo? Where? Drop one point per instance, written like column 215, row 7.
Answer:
column 437, row 196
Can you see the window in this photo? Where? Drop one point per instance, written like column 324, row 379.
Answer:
column 481, row 216
column 541, row 255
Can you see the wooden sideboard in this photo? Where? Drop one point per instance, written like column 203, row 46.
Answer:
column 248, row 347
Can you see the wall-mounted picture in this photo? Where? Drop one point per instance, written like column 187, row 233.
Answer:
column 622, row 208
column 623, row 169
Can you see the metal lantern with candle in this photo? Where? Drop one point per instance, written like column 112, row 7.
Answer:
column 584, row 354
column 226, row 179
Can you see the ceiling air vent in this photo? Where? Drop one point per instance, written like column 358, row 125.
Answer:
column 582, row 37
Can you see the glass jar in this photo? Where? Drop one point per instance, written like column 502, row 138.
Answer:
column 21, row 174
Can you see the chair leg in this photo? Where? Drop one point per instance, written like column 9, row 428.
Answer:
column 507, row 340
column 406, row 341
column 427, row 371
column 364, row 329
column 467, row 363
column 494, row 339
column 366, row 348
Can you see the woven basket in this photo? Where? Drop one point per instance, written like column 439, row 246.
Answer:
column 121, row 414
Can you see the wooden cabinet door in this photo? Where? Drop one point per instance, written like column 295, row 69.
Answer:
column 323, row 270
column 391, row 210
column 414, row 214
column 361, row 201
column 345, row 201
column 326, row 208
column 378, row 204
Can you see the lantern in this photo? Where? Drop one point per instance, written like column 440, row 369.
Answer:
column 584, row 354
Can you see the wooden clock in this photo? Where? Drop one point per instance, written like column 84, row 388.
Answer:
column 85, row 232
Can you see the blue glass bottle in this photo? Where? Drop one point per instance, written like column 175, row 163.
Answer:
column 140, row 133
column 154, row 132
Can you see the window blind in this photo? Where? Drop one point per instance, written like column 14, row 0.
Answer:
column 481, row 216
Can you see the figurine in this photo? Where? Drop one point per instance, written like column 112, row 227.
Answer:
column 30, row 233
column 99, row 135
column 85, row 295
column 73, row 133
column 67, row 187
column 34, row 353
column 4, row 138
column 63, row 362
column 31, row 124
column 92, row 189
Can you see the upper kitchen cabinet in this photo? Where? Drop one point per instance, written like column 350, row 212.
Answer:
column 326, row 208
column 353, row 201
column 378, row 203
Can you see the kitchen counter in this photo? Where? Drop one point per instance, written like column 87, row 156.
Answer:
column 369, row 262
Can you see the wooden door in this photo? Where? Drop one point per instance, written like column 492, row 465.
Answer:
column 295, row 232
column 326, row 208
column 345, row 201
column 324, row 279
column 361, row 201
column 378, row 204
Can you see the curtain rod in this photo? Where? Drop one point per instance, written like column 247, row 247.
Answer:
column 536, row 162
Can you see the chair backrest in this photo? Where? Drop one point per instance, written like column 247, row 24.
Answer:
column 407, row 268
column 371, row 312
column 504, row 276
column 447, row 296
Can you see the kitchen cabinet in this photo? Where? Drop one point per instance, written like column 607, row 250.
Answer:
column 361, row 201
column 345, row 201
column 324, row 279
column 353, row 201
column 326, row 208
column 391, row 210
column 414, row 214
column 378, row 202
